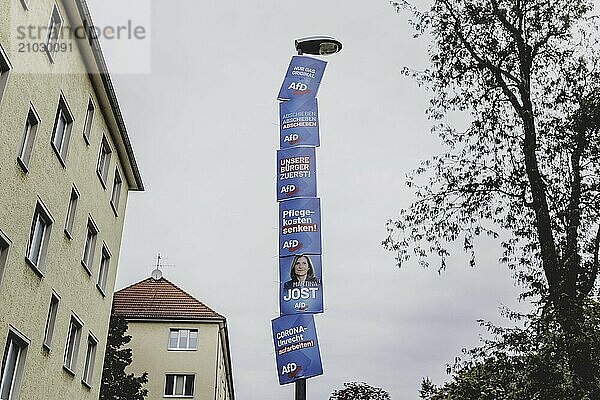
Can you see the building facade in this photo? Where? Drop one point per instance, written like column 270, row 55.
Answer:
column 66, row 169
column 179, row 341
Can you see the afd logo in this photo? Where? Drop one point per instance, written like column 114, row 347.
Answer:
column 299, row 88
column 289, row 190
column 292, row 138
column 291, row 369
column 292, row 245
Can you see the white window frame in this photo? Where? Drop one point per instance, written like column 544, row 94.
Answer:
column 62, row 148
column 104, row 269
column 179, row 346
column 5, row 244
column 27, row 142
column 89, row 118
column 87, row 258
column 42, row 215
column 11, row 384
column 185, row 376
column 54, row 26
column 116, row 192
column 104, row 161
column 71, row 211
column 72, row 345
column 90, row 360
column 5, row 68
column 51, row 321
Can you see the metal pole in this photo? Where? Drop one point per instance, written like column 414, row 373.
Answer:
column 300, row 389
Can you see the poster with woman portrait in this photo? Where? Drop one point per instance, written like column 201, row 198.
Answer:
column 301, row 286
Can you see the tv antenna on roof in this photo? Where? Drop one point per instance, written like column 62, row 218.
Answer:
column 157, row 273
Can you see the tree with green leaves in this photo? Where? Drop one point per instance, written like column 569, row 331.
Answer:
column 359, row 391
column 529, row 362
column 116, row 383
column 526, row 171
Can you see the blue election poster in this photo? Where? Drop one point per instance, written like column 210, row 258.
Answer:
column 296, row 173
column 301, row 288
column 302, row 79
column 296, row 348
column 298, row 123
column 299, row 227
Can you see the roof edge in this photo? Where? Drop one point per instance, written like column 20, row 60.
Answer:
column 149, row 316
column 213, row 320
column 133, row 284
column 84, row 14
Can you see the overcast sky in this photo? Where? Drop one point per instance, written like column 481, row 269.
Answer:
column 198, row 98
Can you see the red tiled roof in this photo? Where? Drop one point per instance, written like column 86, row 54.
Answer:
column 159, row 299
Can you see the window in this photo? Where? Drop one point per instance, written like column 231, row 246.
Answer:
column 31, row 124
column 49, row 331
column 5, row 68
column 183, row 339
column 103, row 161
column 39, row 237
column 62, row 130
column 90, row 358
column 103, row 272
column 71, row 212
column 53, row 33
column 72, row 347
column 116, row 192
column 87, row 125
column 12, row 365
column 179, row 385
column 4, row 246
column 90, row 245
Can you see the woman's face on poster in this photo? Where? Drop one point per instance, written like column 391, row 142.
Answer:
column 301, row 266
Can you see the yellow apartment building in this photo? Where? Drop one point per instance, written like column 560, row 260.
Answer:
column 66, row 169
column 179, row 341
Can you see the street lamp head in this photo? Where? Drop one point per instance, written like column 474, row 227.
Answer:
column 318, row 45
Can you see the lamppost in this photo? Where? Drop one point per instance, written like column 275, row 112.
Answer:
column 321, row 46
column 294, row 332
